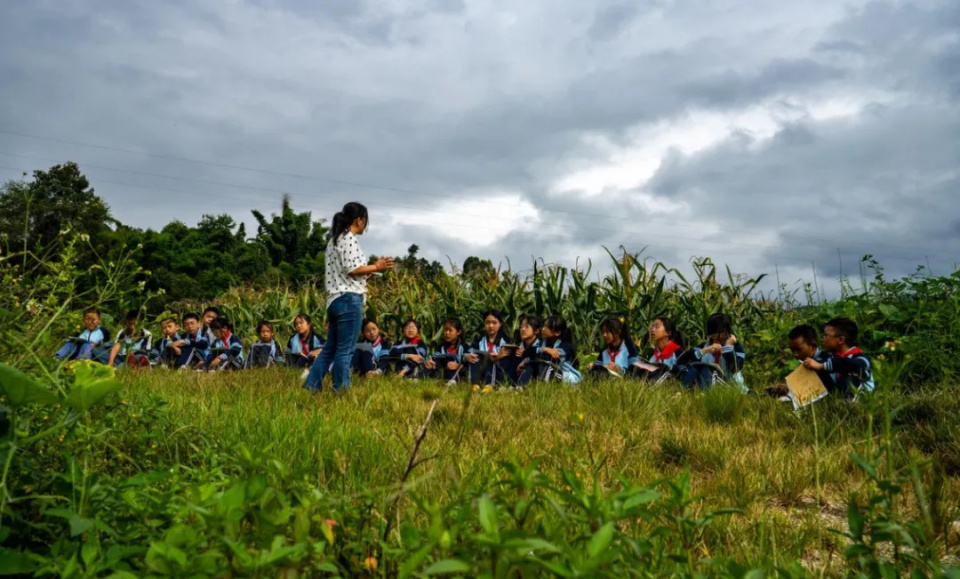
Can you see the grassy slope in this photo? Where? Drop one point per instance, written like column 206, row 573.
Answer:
column 747, row 452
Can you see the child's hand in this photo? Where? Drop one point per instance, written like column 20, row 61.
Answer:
column 176, row 349
column 316, row 352
column 712, row 349
column 732, row 340
column 215, row 362
column 552, row 352
column 519, row 353
column 812, row 364
column 453, row 366
column 612, row 366
column 471, row 358
column 431, row 364
column 372, row 374
column 494, row 356
column 521, row 366
column 415, row 358
column 178, row 343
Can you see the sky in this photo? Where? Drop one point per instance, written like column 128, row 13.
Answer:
column 786, row 138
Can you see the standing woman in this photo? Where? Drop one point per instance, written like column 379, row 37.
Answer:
column 346, row 285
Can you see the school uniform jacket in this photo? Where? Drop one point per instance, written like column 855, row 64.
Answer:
column 97, row 336
column 128, row 344
column 402, row 352
column 298, row 346
column 450, row 353
column 199, row 341
column 165, row 343
column 622, row 356
column 667, row 356
column 275, row 352
column 233, row 346
column 851, row 372
column 730, row 360
column 568, row 358
column 482, row 344
column 380, row 346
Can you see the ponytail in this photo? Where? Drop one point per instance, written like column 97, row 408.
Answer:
column 342, row 220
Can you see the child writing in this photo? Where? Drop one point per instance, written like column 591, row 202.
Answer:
column 722, row 351
column 86, row 346
column 165, row 353
column 517, row 367
column 305, row 345
column 411, row 350
column 447, row 360
column 266, row 351
column 370, row 348
column 227, row 351
column 192, row 349
column 556, row 358
column 848, row 367
column 133, row 344
column 619, row 350
column 487, row 346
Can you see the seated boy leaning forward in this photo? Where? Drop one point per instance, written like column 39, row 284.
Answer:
column 803, row 344
column 91, row 343
column 848, row 367
column 133, row 344
column 165, row 353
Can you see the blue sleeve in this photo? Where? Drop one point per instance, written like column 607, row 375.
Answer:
column 201, row 344
column 734, row 356
column 290, row 348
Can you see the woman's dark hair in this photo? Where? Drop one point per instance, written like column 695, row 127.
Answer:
column 501, row 334
column 719, row 324
column 559, row 325
column 671, row 327
column 344, row 218
column 533, row 322
column 261, row 325
column 458, row 326
column 221, row 324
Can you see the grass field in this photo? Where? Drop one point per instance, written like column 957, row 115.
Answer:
column 789, row 474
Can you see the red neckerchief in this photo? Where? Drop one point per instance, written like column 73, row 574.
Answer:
column 226, row 338
column 614, row 353
column 305, row 346
column 377, row 341
column 415, row 340
column 452, row 349
column 490, row 345
column 666, row 352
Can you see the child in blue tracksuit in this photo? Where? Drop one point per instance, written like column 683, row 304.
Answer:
column 133, row 344
column 721, row 354
column 165, row 353
column 227, row 351
column 619, row 351
column 517, row 365
column 370, row 349
column 305, row 345
column 90, row 344
column 484, row 354
column 410, row 352
column 667, row 348
column 194, row 347
column 266, row 351
column 209, row 314
column 447, row 360
column 849, row 369
column 556, row 357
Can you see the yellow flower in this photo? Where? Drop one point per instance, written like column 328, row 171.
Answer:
column 881, row 357
column 487, row 389
column 476, row 387
column 891, row 345
column 370, row 564
column 580, row 416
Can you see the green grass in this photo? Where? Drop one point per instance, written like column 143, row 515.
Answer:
column 747, row 452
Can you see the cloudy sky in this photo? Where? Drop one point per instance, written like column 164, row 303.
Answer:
column 772, row 136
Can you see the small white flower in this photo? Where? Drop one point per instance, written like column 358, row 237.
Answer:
column 84, row 237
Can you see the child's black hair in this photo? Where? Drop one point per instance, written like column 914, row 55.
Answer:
column 719, row 324
column 221, row 324
column 261, row 325
column 169, row 319
column 132, row 315
column 366, row 322
column 805, row 332
column 495, row 313
column 846, row 328
column 458, row 326
column 618, row 327
column 407, row 322
column 676, row 336
column 212, row 309
column 191, row 316
column 92, row 310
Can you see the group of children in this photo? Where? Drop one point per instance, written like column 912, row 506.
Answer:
column 537, row 350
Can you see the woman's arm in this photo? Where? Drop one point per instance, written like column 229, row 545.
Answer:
column 382, row 264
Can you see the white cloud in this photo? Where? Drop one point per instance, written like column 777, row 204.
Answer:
column 479, row 219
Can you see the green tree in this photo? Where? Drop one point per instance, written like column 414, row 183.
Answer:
column 294, row 242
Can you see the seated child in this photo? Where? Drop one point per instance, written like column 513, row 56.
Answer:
column 410, row 354
column 89, row 345
column 484, row 354
column 667, row 348
column 305, row 345
column 133, row 344
column 848, row 367
column 194, row 347
column 619, row 350
column 517, row 365
column 803, row 344
column 227, row 351
column 209, row 314
column 165, row 353
column 720, row 358
column 556, row 358
column 266, row 351
column 370, row 349
column 447, row 360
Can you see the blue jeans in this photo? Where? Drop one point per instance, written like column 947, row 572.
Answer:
column 345, row 314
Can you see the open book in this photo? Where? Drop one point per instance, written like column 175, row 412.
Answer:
column 646, row 366
column 805, row 387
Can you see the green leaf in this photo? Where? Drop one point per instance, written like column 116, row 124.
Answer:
column 20, row 389
column 233, row 498
column 855, row 520
column 488, row 517
column 447, row 566
column 79, row 525
column 600, row 541
column 83, row 395
column 862, row 463
column 14, row 562
column 641, row 498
